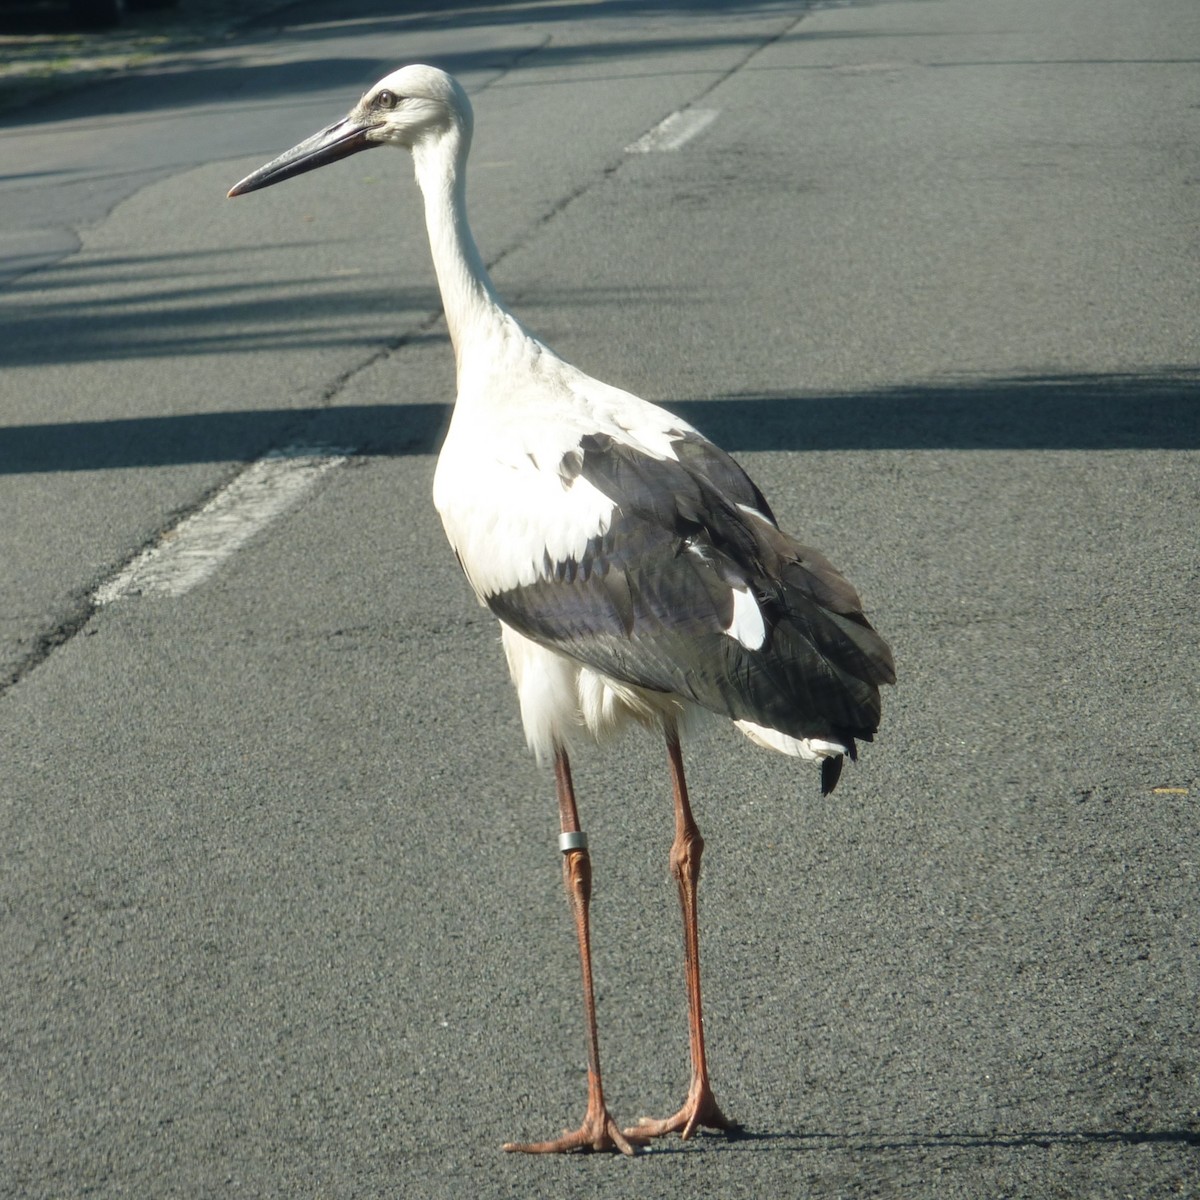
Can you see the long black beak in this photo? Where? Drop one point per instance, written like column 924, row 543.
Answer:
column 339, row 140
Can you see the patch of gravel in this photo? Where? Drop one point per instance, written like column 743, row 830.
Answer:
column 39, row 59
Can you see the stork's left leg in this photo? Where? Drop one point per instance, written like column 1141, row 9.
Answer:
column 701, row 1107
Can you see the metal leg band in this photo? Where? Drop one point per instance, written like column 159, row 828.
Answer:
column 574, row 840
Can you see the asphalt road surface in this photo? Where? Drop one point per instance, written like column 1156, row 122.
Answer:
column 281, row 905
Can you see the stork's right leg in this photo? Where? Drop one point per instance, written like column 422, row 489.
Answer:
column 598, row 1131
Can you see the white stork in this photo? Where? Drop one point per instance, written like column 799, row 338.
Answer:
column 636, row 571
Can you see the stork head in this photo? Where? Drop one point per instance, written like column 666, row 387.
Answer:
column 408, row 108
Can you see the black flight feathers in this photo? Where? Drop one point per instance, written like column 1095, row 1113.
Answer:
column 649, row 600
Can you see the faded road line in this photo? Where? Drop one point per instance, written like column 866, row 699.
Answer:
column 192, row 550
column 673, row 131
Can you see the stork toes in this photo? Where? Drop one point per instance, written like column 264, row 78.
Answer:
column 598, row 1133
column 700, row 1110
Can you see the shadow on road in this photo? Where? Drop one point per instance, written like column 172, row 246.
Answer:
column 220, row 77
column 1150, row 411
column 858, row 1143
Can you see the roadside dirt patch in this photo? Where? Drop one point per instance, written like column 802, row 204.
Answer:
column 41, row 54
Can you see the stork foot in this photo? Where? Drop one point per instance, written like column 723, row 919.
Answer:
column 699, row 1110
column 599, row 1132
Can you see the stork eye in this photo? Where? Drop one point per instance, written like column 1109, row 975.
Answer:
column 386, row 99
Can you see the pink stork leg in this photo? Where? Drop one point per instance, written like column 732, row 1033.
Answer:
column 598, row 1131
column 700, row 1107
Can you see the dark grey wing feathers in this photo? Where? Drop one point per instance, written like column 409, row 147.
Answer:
column 651, row 599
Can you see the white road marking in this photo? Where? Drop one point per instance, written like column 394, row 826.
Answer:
column 191, row 551
column 674, row 131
